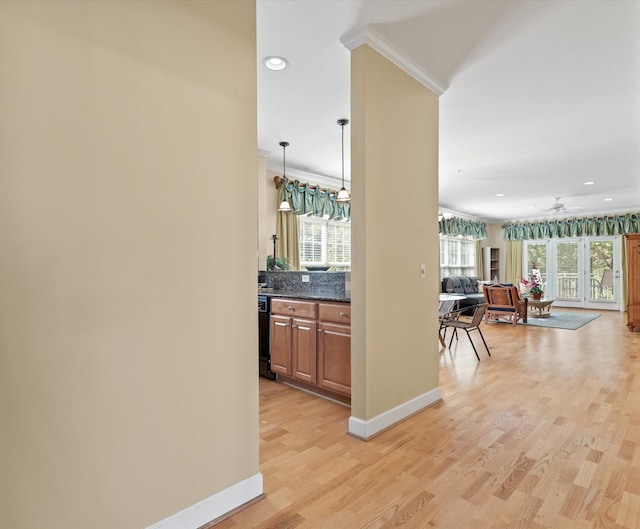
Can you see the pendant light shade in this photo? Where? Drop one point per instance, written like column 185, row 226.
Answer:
column 343, row 194
column 285, row 207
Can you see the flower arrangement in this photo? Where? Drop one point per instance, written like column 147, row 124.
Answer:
column 533, row 285
column 536, row 288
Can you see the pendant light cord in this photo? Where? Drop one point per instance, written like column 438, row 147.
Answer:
column 284, row 145
column 285, row 207
column 342, row 154
column 343, row 194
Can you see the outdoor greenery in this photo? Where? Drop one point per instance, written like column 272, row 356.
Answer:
column 538, row 255
column 567, row 256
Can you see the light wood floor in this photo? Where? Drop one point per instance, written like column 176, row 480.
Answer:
column 544, row 434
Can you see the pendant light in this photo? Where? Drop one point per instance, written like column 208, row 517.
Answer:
column 285, row 207
column 343, row 194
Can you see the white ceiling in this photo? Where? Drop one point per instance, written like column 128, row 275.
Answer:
column 542, row 96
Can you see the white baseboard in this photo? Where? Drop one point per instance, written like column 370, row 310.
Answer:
column 367, row 429
column 214, row 506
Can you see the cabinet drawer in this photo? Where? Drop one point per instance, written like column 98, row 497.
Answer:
column 336, row 312
column 294, row 308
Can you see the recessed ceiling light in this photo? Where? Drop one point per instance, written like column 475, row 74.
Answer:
column 608, row 199
column 276, row 63
column 500, row 195
column 589, row 183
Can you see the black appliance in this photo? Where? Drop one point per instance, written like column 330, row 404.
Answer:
column 264, row 352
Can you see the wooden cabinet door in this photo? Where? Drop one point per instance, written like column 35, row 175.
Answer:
column 633, row 281
column 281, row 344
column 334, row 357
column 303, row 350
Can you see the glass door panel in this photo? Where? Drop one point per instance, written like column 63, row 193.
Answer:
column 603, row 273
column 569, row 281
column 536, row 257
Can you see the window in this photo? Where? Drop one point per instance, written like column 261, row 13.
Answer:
column 457, row 256
column 578, row 272
column 325, row 243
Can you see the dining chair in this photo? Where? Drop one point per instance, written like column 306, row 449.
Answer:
column 447, row 307
column 469, row 325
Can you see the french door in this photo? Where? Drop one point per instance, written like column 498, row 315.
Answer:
column 582, row 272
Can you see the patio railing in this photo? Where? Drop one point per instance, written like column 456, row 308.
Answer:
column 568, row 288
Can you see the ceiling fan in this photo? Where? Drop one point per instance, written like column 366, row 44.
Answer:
column 557, row 206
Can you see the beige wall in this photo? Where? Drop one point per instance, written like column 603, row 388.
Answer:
column 268, row 200
column 128, row 387
column 266, row 215
column 394, row 142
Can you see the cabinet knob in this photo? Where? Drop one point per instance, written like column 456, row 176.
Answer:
column 291, row 308
column 294, row 326
column 343, row 314
column 320, row 330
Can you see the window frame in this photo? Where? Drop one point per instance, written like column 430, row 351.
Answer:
column 453, row 260
column 325, row 225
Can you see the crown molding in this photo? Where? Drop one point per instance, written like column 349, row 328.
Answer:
column 262, row 153
column 575, row 215
column 448, row 213
column 367, row 35
column 331, row 182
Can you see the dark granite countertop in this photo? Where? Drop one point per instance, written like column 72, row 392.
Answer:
column 314, row 296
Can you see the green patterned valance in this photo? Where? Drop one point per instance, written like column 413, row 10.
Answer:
column 309, row 199
column 467, row 228
column 593, row 226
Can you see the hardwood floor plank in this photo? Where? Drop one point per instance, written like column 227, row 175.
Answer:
column 629, row 511
column 541, row 435
column 585, row 474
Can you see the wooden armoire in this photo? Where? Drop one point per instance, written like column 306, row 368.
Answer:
column 633, row 281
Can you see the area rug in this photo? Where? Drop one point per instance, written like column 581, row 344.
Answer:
column 563, row 320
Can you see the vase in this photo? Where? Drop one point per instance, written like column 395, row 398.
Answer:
column 537, row 295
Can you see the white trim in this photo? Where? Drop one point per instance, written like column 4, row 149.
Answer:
column 262, row 153
column 367, row 429
column 448, row 213
column 214, row 506
column 367, row 35
column 575, row 215
column 310, row 178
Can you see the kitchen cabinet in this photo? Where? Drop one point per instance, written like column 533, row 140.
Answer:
column 311, row 345
column 334, row 347
column 280, row 344
column 633, row 281
column 303, row 350
column 293, row 338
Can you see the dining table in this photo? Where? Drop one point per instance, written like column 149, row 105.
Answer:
column 445, row 307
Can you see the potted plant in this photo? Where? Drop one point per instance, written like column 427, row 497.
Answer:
column 536, row 291
column 280, row 264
